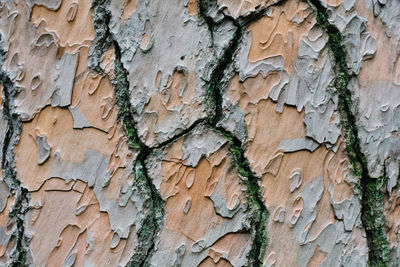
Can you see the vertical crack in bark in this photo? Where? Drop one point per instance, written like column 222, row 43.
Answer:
column 153, row 203
column 372, row 192
column 102, row 36
column 213, row 97
column 257, row 213
column 372, row 188
column 151, row 225
column 372, row 216
column 11, row 138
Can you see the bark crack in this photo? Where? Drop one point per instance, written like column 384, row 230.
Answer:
column 257, row 213
column 21, row 194
column 372, row 215
column 152, row 199
column 154, row 204
column 372, row 189
column 142, row 182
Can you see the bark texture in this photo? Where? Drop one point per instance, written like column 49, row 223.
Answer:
column 199, row 133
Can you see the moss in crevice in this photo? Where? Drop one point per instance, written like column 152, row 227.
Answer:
column 153, row 207
column 257, row 213
column 151, row 223
column 213, row 94
column 153, row 204
column 372, row 189
column 121, row 87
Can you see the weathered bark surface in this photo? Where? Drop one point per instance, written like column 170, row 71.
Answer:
column 199, row 133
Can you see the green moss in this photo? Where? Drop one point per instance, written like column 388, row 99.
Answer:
column 121, row 87
column 374, row 222
column 152, row 221
column 213, row 93
column 153, row 204
column 257, row 212
column 372, row 189
column 213, row 102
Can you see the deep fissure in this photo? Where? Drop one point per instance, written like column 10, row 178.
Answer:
column 371, row 188
column 154, row 204
column 20, row 206
column 372, row 194
column 257, row 210
column 214, row 96
column 152, row 222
